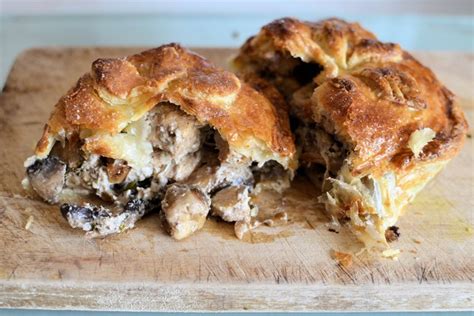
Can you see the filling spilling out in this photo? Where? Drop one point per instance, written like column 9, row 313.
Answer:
column 365, row 202
column 180, row 167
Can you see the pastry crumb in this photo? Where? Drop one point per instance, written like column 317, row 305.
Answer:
column 280, row 218
column 419, row 139
column 392, row 233
column 342, row 258
column 391, row 253
column 29, row 222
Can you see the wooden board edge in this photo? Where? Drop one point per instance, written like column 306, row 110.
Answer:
column 242, row 297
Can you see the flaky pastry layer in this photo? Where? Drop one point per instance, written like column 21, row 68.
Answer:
column 120, row 91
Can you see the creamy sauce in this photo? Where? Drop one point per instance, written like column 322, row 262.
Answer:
column 298, row 203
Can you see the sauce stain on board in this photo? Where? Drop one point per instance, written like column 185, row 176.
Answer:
column 225, row 231
column 218, row 227
column 440, row 211
column 256, row 237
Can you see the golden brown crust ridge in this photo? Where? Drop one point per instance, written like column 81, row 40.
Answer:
column 119, row 91
column 373, row 94
column 281, row 107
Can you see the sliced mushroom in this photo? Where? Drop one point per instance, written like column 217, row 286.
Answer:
column 46, row 176
column 210, row 178
column 100, row 221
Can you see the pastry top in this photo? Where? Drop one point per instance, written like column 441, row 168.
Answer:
column 372, row 95
column 120, row 91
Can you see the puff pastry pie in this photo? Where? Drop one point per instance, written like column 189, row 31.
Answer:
column 369, row 119
column 160, row 129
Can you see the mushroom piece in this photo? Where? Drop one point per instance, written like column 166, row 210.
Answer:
column 100, row 221
column 186, row 205
column 210, row 178
column 184, row 209
column 46, row 176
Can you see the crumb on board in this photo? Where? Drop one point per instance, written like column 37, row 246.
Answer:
column 334, row 226
column 391, row 253
column 29, row 222
column 342, row 258
column 416, row 241
column 392, row 233
column 278, row 219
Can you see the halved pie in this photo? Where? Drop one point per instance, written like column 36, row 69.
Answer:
column 162, row 129
column 371, row 122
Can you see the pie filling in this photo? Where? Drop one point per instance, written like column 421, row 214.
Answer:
column 172, row 163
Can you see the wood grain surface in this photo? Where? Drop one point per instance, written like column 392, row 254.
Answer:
column 288, row 267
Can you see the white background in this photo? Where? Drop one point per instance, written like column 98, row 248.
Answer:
column 288, row 7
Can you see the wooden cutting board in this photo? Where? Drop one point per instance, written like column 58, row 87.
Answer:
column 288, row 267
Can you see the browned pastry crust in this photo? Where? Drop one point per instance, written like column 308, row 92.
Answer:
column 119, row 91
column 374, row 94
column 380, row 121
column 160, row 129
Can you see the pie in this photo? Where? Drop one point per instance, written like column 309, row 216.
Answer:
column 165, row 130
column 372, row 124
column 162, row 129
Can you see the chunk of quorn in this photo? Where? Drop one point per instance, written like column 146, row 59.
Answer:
column 185, row 210
column 187, row 165
column 175, row 132
column 232, row 204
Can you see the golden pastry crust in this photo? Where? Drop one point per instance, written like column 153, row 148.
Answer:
column 373, row 94
column 378, row 120
column 118, row 92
